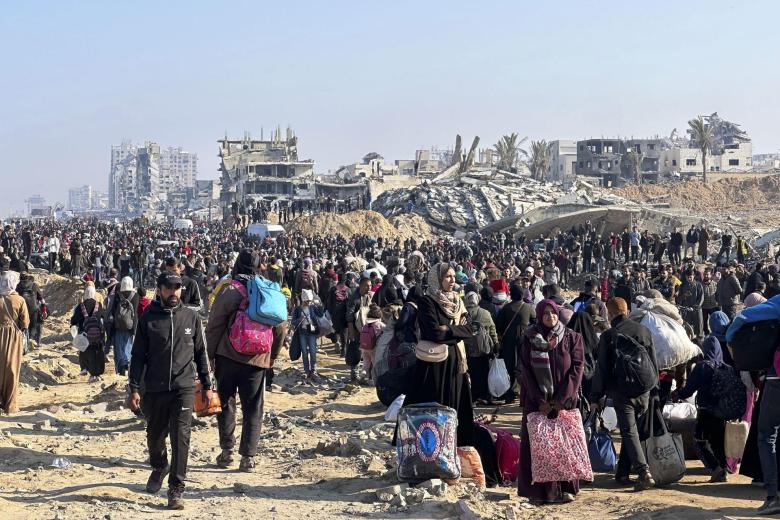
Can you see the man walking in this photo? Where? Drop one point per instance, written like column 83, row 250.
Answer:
column 169, row 344
column 630, row 402
column 53, row 248
column 728, row 292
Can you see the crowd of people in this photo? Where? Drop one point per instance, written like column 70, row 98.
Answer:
column 164, row 301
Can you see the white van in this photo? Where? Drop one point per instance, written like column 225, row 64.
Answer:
column 260, row 231
column 182, row 223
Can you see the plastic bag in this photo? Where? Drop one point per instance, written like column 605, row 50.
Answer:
column 680, row 417
column 672, row 346
column 558, row 449
column 498, row 378
column 325, row 324
column 392, row 411
column 471, row 465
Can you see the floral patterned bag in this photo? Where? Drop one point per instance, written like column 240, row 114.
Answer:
column 558, row 448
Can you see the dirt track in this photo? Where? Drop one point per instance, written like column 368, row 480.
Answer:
column 106, row 445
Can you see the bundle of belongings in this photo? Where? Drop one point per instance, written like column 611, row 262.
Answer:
column 673, row 347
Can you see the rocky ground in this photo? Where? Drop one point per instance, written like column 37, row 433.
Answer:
column 325, row 451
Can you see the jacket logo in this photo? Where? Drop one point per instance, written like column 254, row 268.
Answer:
column 188, row 331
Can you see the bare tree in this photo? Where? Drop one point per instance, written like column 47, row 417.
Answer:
column 703, row 138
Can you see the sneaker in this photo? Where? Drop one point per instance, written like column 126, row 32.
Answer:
column 155, row 482
column 247, row 465
column 353, row 375
column 719, row 475
column 83, row 372
column 175, row 501
column 225, row 459
column 644, row 482
column 770, row 507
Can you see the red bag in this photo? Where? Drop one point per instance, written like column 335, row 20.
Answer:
column 507, row 453
column 250, row 338
column 558, row 448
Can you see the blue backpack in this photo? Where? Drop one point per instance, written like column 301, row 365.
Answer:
column 267, row 303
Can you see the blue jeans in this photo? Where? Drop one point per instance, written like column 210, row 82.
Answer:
column 308, row 351
column 123, row 344
column 768, row 423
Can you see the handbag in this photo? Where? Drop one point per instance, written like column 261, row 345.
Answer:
column 432, row 352
column 664, row 451
column 601, row 449
column 295, row 346
column 558, row 449
column 206, row 409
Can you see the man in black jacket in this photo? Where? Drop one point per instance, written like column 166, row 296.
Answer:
column 628, row 409
column 169, row 344
column 190, row 293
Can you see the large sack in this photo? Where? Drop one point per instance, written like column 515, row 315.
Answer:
column 656, row 306
column 680, row 417
column 427, row 435
column 558, row 448
column 471, row 465
column 672, row 346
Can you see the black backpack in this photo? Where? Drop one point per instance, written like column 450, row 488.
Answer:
column 634, row 373
column 753, row 345
column 124, row 313
column 33, row 309
column 727, row 387
column 479, row 343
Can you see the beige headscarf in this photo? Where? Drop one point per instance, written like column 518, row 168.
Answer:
column 449, row 302
column 8, row 282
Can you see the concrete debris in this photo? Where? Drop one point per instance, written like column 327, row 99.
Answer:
column 479, row 198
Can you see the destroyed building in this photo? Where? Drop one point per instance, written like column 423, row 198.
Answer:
column 149, row 179
column 607, row 160
column 264, row 170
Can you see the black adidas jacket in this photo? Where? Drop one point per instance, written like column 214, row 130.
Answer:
column 169, row 344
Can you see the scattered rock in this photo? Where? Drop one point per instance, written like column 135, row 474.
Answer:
column 240, row 488
column 415, row 495
column 434, row 486
column 466, row 513
column 497, row 495
column 97, row 408
column 317, row 413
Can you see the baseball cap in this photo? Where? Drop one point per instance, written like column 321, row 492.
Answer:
column 168, row 279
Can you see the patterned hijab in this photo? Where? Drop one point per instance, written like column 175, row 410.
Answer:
column 8, row 282
column 449, row 302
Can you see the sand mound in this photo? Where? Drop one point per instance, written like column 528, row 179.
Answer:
column 61, row 293
column 412, row 226
column 727, row 194
column 360, row 223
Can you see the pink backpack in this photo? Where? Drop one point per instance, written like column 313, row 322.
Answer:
column 248, row 337
column 507, row 453
column 369, row 335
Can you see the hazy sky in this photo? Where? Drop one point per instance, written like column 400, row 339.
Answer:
column 354, row 77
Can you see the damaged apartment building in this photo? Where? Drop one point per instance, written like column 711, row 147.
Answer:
column 258, row 170
column 151, row 179
column 609, row 160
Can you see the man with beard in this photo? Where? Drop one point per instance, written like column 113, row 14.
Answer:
column 169, row 344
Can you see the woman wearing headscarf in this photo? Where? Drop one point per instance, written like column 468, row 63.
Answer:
column 550, row 366
column 93, row 360
column 479, row 366
column 442, row 320
column 14, row 320
column 125, row 300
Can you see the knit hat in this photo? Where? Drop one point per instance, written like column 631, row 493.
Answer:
column 471, row 300
column 753, row 299
column 307, row 295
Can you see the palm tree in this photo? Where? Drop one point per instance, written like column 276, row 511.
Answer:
column 635, row 158
column 539, row 162
column 703, row 138
column 508, row 150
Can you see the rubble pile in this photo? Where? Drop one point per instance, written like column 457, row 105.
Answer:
column 368, row 223
column 477, row 199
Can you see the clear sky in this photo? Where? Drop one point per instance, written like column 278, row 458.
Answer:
column 355, row 77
